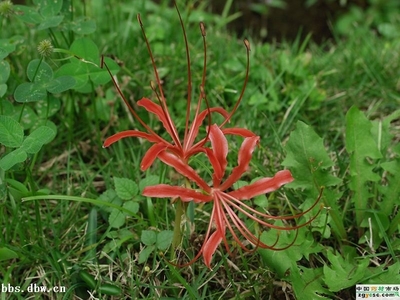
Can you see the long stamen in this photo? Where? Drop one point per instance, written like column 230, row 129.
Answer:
column 241, row 204
column 247, row 44
column 238, row 207
column 189, row 74
column 171, row 126
column 248, row 235
column 189, row 140
column 203, row 81
column 103, row 63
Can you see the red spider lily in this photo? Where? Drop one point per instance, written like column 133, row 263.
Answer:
column 227, row 204
column 186, row 148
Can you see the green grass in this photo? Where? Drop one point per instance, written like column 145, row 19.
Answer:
column 69, row 227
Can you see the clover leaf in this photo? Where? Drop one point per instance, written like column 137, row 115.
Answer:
column 41, row 76
column 84, row 66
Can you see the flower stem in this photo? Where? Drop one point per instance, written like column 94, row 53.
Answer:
column 176, row 240
column 180, row 211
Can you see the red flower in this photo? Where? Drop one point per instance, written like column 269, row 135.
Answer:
column 186, row 148
column 226, row 204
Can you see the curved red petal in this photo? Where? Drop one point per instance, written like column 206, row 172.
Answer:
column 151, row 155
column 244, row 157
column 184, row 169
column 262, row 186
column 131, row 133
column 198, row 120
column 164, row 117
column 168, row 191
column 220, row 151
column 238, row 131
column 211, row 246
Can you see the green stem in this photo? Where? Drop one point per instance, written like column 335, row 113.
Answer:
column 180, row 210
column 176, row 240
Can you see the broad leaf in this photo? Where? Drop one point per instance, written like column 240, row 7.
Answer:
column 343, row 273
column 116, row 218
column 361, row 146
column 29, row 92
column 7, row 254
column 148, row 237
column 40, row 136
column 11, row 159
column 39, row 71
column 126, row 189
column 11, row 132
column 308, row 284
column 164, row 239
column 311, row 167
column 61, row 84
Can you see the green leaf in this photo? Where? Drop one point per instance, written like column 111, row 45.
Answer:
column 87, row 67
column 61, row 84
column 164, row 239
column 145, row 253
column 49, row 8
column 311, row 167
column 86, row 49
column 39, row 71
column 50, row 22
column 7, row 254
column 29, row 92
column 82, row 26
column 4, row 71
column 27, row 116
column 308, row 159
column 49, row 108
column 3, row 89
column 75, row 69
column 308, row 284
column 360, row 145
column 116, row 218
column 386, row 276
column 40, row 136
column 148, row 237
column 8, row 45
column 132, row 206
column 281, row 261
column 126, row 189
column 391, row 192
column 343, row 273
column 11, row 132
column 111, row 197
column 11, row 159
column 27, row 14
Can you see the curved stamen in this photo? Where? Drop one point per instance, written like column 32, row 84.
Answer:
column 171, row 126
column 242, row 204
column 248, row 235
column 133, row 112
column 247, row 44
column 239, row 208
column 203, row 82
column 189, row 74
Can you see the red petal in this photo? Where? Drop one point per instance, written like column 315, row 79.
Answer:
column 164, row 117
column 168, row 191
column 131, row 133
column 211, row 246
column 220, row 150
column 151, row 155
column 238, row 131
column 244, row 157
column 198, row 120
column 184, row 169
column 262, row 186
